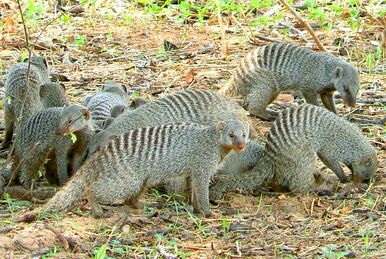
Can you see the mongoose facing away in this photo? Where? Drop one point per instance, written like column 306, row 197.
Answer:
column 16, row 90
column 43, row 132
column 53, row 95
column 100, row 105
column 271, row 69
column 191, row 106
column 145, row 157
column 297, row 138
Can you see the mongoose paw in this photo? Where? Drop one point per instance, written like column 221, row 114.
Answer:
column 324, row 193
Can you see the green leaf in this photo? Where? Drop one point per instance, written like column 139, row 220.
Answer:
column 73, row 137
column 8, row 98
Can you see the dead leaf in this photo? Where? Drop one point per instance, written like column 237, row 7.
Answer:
column 10, row 25
column 189, row 76
column 288, row 98
column 282, row 197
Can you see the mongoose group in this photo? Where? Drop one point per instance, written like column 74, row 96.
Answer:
column 187, row 137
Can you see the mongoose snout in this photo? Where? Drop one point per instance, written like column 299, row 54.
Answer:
column 73, row 124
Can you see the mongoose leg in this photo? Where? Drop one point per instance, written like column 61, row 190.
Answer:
column 328, row 101
column 28, row 172
column 257, row 103
column 96, row 209
column 134, row 201
column 311, row 98
column 61, row 161
column 334, row 166
column 9, row 128
column 200, row 194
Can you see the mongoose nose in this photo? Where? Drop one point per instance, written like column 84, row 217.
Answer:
column 239, row 147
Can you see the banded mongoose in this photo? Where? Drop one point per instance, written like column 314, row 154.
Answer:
column 145, row 157
column 53, row 95
column 43, row 132
column 100, row 105
column 271, row 69
column 296, row 139
column 16, row 90
column 191, row 106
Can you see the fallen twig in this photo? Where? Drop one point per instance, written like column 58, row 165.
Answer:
column 60, row 236
column 6, row 229
column 305, row 24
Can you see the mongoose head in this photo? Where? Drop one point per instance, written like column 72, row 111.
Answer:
column 54, row 91
column 364, row 168
column 114, row 88
column 136, row 102
column 117, row 110
column 39, row 62
column 346, row 81
column 234, row 134
column 73, row 118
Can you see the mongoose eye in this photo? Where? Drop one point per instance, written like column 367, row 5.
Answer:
column 244, row 135
column 70, row 122
column 346, row 88
column 231, row 135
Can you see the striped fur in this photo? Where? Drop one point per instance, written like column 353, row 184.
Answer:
column 42, row 133
column 271, row 69
column 100, row 105
column 53, row 95
column 16, row 86
column 297, row 138
column 192, row 106
column 144, row 157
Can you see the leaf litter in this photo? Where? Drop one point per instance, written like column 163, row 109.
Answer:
column 155, row 51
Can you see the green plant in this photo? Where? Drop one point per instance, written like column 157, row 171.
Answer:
column 51, row 253
column 330, row 252
column 80, row 40
column 225, row 224
column 13, row 205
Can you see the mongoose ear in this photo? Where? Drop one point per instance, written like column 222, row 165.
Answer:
column 45, row 62
column 338, row 72
column 220, row 126
column 86, row 113
column 124, row 88
column 41, row 90
column 63, row 86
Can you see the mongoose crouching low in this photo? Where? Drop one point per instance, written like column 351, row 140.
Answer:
column 145, row 157
column 296, row 139
column 190, row 106
column 43, row 132
column 100, row 105
column 271, row 69
column 16, row 92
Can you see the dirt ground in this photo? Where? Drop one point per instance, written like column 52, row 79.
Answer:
column 125, row 43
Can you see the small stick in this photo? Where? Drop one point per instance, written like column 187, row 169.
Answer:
column 2, row 90
column 59, row 235
column 305, row 24
column 224, row 49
